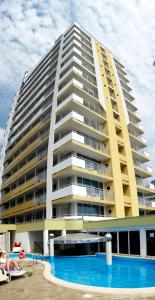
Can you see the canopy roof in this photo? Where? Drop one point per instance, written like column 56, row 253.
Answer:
column 78, row 238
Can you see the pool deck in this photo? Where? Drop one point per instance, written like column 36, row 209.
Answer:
column 36, row 287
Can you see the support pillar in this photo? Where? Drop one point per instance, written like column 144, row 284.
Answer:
column 63, row 232
column 108, row 239
column 51, row 237
column 143, row 246
column 45, row 242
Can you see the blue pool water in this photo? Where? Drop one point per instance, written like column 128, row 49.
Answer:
column 92, row 270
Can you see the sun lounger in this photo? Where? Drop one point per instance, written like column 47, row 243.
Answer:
column 16, row 273
column 4, row 276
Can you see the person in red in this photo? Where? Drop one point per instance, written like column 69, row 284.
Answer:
column 22, row 254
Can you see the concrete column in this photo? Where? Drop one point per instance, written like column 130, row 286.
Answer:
column 45, row 242
column 74, row 209
column 63, row 232
column 108, row 249
column 51, row 237
column 143, row 246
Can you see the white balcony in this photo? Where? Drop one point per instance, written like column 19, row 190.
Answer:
column 142, row 169
column 135, row 127
column 136, row 139
column 146, row 203
column 82, row 191
column 93, row 129
column 145, row 183
column 82, row 164
column 69, row 116
column 84, row 141
column 87, row 104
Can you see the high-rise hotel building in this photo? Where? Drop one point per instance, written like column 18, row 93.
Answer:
column 75, row 145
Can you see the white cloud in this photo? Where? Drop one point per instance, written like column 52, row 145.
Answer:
column 28, row 29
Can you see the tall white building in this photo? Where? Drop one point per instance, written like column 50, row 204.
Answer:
column 75, row 146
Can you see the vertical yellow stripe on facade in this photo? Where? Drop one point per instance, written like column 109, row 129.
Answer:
column 120, row 199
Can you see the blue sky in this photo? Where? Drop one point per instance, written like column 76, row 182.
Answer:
column 126, row 27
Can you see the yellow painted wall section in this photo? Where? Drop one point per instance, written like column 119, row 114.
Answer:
column 7, row 227
column 115, row 162
column 128, row 151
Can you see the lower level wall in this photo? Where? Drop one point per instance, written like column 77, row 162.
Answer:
column 23, row 238
column 28, row 239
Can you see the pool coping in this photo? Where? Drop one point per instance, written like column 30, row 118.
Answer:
column 87, row 288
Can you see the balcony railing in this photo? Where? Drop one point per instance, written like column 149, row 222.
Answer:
column 145, row 183
column 88, row 164
column 25, row 206
column 85, row 191
column 84, row 139
column 94, row 108
column 24, row 186
column 86, row 103
column 139, row 137
column 142, row 166
column 145, row 202
column 82, row 119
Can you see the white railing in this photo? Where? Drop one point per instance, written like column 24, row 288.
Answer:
column 87, row 164
column 142, row 166
column 40, row 200
column 83, row 139
column 84, row 191
column 145, row 202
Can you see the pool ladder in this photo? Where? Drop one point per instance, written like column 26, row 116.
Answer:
column 37, row 256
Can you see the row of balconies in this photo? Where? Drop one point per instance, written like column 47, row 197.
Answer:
column 80, row 61
column 74, row 39
column 27, row 185
column 28, row 135
column 31, row 147
column 95, row 108
column 74, row 52
column 75, row 116
column 39, row 158
column 79, row 72
column 37, row 106
column 24, row 207
column 27, row 107
column 77, row 35
column 83, row 88
column 35, row 118
column 40, row 66
column 39, row 76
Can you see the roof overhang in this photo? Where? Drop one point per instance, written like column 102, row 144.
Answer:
column 78, row 238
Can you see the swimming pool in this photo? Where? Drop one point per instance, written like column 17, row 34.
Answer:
column 92, row 271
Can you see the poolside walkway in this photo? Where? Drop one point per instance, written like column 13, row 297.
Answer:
column 36, row 287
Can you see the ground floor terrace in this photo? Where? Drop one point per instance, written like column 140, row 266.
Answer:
column 133, row 236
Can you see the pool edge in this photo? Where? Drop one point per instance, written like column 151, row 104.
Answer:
column 103, row 290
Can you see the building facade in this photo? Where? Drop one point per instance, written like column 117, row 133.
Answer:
column 75, row 146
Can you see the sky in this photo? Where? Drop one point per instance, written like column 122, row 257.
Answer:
column 126, row 27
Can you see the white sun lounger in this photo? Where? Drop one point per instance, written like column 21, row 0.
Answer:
column 4, row 276
column 16, row 273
